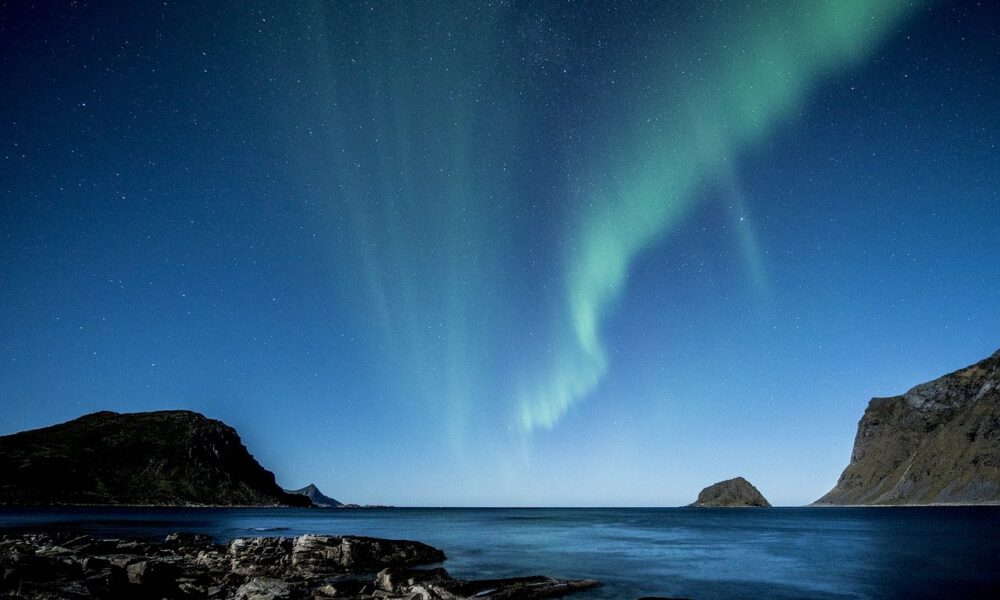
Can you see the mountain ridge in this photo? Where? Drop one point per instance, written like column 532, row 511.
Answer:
column 167, row 458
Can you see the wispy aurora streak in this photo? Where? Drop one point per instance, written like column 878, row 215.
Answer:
column 415, row 163
column 734, row 84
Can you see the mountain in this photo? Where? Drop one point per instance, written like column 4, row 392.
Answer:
column 737, row 492
column 938, row 443
column 318, row 499
column 154, row 458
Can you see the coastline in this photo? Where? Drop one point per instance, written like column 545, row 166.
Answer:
column 191, row 565
column 782, row 554
column 911, row 505
column 241, row 506
column 348, row 507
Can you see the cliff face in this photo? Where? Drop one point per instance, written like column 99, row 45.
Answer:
column 937, row 443
column 737, row 492
column 163, row 458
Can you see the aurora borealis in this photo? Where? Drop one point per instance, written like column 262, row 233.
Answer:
column 492, row 253
column 753, row 69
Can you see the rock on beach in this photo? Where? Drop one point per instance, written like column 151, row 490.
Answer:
column 188, row 566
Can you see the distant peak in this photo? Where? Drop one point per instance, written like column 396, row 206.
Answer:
column 317, row 497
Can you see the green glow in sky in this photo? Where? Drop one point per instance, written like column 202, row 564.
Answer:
column 718, row 91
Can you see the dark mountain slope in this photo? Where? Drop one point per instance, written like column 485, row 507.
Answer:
column 158, row 458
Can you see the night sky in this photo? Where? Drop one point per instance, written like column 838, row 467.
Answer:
column 467, row 253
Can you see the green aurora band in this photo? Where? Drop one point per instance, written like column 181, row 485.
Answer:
column 688, row 123
column 437, row 239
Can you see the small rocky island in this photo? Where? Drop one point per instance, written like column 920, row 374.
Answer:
column 731, row 493
column 939, row 443
column 190, row 566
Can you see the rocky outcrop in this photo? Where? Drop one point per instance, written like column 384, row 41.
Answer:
column 189, row 566
column 939, row 443
column 731, row 493
column 317, row 497
column 154, row 458
column 275, row 557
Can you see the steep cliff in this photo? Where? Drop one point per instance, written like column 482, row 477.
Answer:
column 937, row 443
column 160, row 458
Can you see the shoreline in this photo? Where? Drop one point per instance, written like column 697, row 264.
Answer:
column 922, row 505
column 508, row 543
column 40, row 566
column 242, row 506
column 387, row 507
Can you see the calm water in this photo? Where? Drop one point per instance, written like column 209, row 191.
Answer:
column 702, row 554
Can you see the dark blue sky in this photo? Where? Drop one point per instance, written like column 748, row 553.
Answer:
column 499, row 253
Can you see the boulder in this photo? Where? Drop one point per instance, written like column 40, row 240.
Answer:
column 319, row 553
column 260, row 556
column 395, row 579
column 188, row 541
column 264, row 588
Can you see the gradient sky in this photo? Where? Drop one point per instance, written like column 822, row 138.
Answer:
column 500, row 253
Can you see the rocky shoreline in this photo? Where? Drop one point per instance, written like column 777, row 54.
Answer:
column 50, row 566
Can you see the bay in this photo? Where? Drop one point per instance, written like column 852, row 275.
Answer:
column 904, row 552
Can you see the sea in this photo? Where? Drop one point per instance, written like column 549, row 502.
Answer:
column 702, row 554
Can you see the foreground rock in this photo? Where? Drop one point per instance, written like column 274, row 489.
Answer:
column 731, row 493
column 938, row 443
column 189, row 566
column 173, row 457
